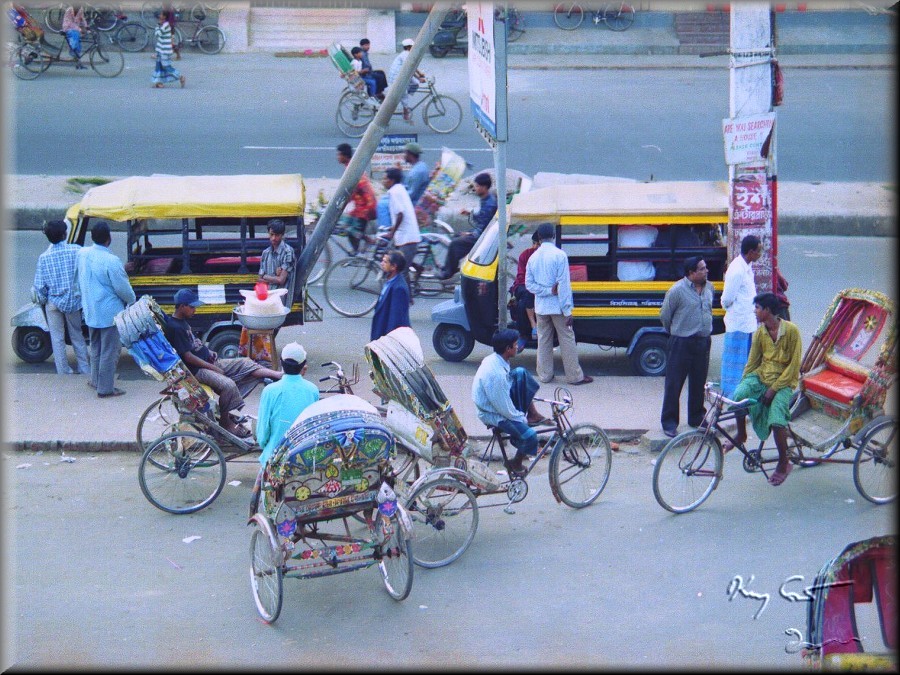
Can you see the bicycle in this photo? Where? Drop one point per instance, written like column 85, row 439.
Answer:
column 352, row 285
column 33, row 58
column 103, row 18
column 208, row 39
column 198, row 12
column 444, row 502
column 618, row 16
column 132, row 36
column 356, row 110
column 690, row 466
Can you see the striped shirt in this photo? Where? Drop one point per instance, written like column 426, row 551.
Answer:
column 54, row 279
column 281, row 258
column 163, row 35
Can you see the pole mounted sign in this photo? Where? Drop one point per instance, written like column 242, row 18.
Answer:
column 483, row 70
column 747, row 138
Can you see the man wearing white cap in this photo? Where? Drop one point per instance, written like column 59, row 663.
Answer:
column 281, row 402
column 413, row 85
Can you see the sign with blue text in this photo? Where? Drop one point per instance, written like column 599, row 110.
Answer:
column 482, row 74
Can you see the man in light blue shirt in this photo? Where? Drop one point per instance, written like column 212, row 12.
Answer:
column 417, row 177
column 547, row 276
column 282, row 401
column 504, row 398
column 105, row 291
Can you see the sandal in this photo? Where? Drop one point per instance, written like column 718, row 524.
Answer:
column 182, row 80
column 778, row 477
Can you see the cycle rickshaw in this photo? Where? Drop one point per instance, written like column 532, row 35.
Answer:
column 333, row 463
column 864, row 572
column 838, row 405
column 438, row 475
column 356, row 109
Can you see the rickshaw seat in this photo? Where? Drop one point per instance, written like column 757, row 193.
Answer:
column 229, row 260
column 885, row 570
column 839, row 380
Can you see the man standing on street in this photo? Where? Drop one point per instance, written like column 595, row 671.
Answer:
column 740, row 320
column 418, row 176
column 105, row 292
column 504, row 398
column 54, row 285
column 461, row 245
column 392, row 308
column 547, row 276
column 686, row 314
column 282, row 401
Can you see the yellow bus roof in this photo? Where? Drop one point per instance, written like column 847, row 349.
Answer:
column 623, row 202
column 252, row 196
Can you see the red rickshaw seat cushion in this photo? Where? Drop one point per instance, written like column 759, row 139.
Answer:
column 833, row 385
column 231, row 260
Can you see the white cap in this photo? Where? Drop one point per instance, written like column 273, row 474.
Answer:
column 293, row 351
column 407, row 42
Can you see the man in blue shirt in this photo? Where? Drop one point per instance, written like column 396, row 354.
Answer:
column 461, row 245
column 105, row 291
column 378, row 75
column 55, row 288
column 392, row 308
column 281, row 402
column 417, row 177
column 504, row 398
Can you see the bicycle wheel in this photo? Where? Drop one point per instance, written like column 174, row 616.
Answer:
column 352, row 286
column 445, row 517
column 515, row 27
column 198, row 13
column 106, row 60
column 160, row 418
column 354, row 114
column 30, row 62
column 149, row 13
column 396, row 564
column 101, row 18
column 132, row 36
column 580, row 465
column 568, row 16
column 618, row 16
column 687, row 471
column 266, row 576
column 182, row 472
column 177, row 38
column 210, row 40
column 442, row 114
column 431, row 255
column 53, row 17
column 875, row 465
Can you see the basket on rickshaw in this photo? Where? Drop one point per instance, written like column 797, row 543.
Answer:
column 332, row 463
column 865, row 572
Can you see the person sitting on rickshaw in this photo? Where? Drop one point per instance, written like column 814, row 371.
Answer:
column 224, row 376
column 770, row 376
column 504, row 398
column 462, row 244
column 73, row 25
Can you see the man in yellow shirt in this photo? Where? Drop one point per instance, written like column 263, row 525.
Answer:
column 770, row 376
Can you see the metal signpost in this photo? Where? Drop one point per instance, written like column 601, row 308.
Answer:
column 487, row 92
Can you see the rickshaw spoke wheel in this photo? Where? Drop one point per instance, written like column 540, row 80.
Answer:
column 445, row 518
column 396, row 564
column 687, row 471
column 875, row 465
column 580, row 465
column 352, row 286
column 354, row 114
column 106, row 60
column 160, row 418
column 266, row 577
column 182, row 472
column 442, row 114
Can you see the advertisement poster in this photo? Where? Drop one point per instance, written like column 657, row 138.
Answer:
column 482, row 76
column 751, row 214
column 746, row 138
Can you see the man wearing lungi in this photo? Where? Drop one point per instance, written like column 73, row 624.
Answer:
column 740, row 320
column 770, row 376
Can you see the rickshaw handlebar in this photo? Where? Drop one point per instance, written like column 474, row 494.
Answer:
column 718, row 398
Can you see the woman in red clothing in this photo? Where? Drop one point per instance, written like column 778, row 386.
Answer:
column 525, row 318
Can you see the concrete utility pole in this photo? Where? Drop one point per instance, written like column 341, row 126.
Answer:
column 367, row 145
column 752, row 181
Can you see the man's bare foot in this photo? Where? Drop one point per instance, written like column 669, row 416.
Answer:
column 728, row 446
column 780, row 474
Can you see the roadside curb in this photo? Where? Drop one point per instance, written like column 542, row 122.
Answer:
column 68, row 446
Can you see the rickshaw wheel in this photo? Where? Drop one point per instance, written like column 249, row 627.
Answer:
column 160, row 418
column 687, row 471
column 875, row 465
column 445, row 518
column 580, row 466
column 266, row 576
column 182, row 472
column 396, row 564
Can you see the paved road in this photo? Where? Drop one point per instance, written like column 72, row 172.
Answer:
column 611, row 122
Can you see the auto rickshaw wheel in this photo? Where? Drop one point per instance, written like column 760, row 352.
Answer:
column 452, row 343
column 649, row 356
column 31, row 344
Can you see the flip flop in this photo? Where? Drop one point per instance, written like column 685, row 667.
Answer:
column 778, row 477
column 541, row 422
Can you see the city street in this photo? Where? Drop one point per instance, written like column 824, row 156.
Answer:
column 619, row 122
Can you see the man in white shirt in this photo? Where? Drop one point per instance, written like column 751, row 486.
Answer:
column 636, row 236
column 404, row 226
column 547, row 276
column 740, row 319
column 412, row 85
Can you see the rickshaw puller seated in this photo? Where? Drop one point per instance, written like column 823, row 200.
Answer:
column 770, row 376
column 502, row 397
column 222, row 375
